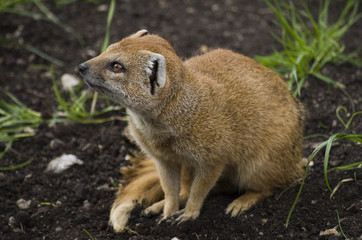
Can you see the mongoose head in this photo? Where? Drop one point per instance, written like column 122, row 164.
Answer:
column 133, row 72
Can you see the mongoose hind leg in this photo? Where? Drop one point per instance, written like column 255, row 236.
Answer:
column 245, row 202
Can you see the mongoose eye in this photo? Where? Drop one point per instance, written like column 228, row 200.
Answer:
column 116, row 67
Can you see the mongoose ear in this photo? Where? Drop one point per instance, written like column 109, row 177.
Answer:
column 156, row 71
column 138, row 34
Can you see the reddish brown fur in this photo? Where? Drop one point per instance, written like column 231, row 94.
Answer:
column 215, row 119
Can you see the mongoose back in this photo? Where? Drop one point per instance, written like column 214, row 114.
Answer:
column 216, row 122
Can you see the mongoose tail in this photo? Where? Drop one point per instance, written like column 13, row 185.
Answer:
column 141, row 186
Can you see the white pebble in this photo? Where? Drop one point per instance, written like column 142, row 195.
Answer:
column 69, row 81
column 23, row 204
column 62, row 163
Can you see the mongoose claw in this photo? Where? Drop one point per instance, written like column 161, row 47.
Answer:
column 162, row 219
column 234, row 211
column 185, row 216
column 175, row 216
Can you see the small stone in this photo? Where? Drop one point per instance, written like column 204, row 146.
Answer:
column 28, row 176
column 105, row 187
column 86, row 204
column 332, row 231
column 62, row 163
column 91, row 53
column 20, row 61
column 102, row 8
column 58, row 229
column 23, row 204
column 264, row 221
column 69, row 81
column 56, row 143
column 12, row 222
column 334, row 123
column 127, row 157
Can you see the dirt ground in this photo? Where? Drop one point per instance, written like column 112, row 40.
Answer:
column 81, row 197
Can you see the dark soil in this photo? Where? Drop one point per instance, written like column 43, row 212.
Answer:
column 84, row 193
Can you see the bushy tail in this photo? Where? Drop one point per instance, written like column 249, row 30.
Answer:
column 141, row 186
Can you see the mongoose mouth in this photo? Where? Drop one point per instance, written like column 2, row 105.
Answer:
column 97, row 87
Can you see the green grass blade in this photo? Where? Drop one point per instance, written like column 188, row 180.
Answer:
column 10, row 168
column 33, row 50
column 104, row 46
column 315, row 135
column 56, row 21
column 12, row 97
column 25, row 13
column 346, row 125
column 326, row 158
column 338, row 85
column 4, row 5
column 62, row 103
column 327, row 144
column 339, row 117
column 333, row 138
column 318, row 41
column 352, row 166
column 88, row 233
column 278, row 12
column 311, row 157
column 112, row 7
column 7, row 147
column 340, row 226
column 42, row 54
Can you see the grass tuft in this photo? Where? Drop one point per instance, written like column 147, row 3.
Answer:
column 16, row 120
column 14, row 167
column 357, row 138
column 309, row 43
column 75, row 109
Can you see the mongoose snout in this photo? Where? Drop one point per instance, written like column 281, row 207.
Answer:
column 82, row 68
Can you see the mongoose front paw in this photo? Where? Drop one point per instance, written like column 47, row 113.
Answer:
column 184, row 216
column 154, row 210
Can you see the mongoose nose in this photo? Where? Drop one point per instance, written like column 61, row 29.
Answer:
column 82, row 68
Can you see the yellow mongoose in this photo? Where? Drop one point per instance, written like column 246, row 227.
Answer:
column 219, row 121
